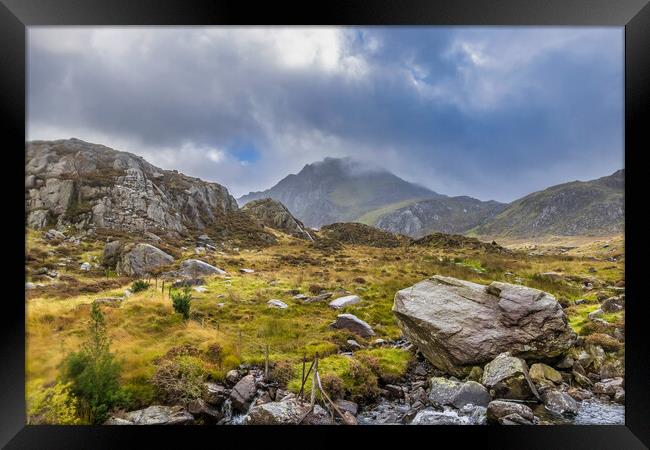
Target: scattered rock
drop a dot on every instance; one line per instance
(498, 409)
(246, 270)
(197, 268)
(203, 411)
(190, 282)
(232, 376)
(85, 266)
(53, 234)
(541, 372)
(354, 324)
(613, 304)
(318, 298)
(443, 390)
(354, 344)
(430, 416)
(287, 412)
(559, 402)
(113, 302)
(141, 259)
(472, 393)
(215, 394)
(595, 314)
(346, 405)
(342, 302)
(507, 377)
(274, 303)
(609, 387)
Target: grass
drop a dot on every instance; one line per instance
(145, 327)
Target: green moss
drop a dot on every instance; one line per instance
(391, 363)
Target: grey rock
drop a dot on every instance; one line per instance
(498, 409)
(273, 214)
(242, 393)
(141, 259)
(354, 344)
(430, 416)
(507, 377)
(609, 387)
(456, 323)
(274, 303)
(215, 394)
(197, 268)
(342, 302)
(613, 304)
(514, 419)
(346, 405)
(154, 415)
(53, 234)
(559, 402)
(472, 393)
(287, 412)
(85, 266)
(354, 324)
(318, 298)
(443, 391)
(203, 411)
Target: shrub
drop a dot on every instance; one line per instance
(606, 342)
(93, 373)
(215, 354)
(333, 386)
(139, 285)
(282, 371)
(55, 405)
(180, 379)
(181, 302)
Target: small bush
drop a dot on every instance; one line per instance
(608, 343)
(181, 302)
(139, 285)
(333, 386)
(53, 406)
(282, 371)
(179, 380)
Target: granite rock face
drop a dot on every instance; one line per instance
(457, 324)
(273, 214)
(72, 182)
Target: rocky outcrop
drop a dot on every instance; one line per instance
(342, 302)
(154, 415)
(243, 393)
(195, 268)
(141, 259)
(72, 182)
(273, 214)
(507, 377)
(457, 324)
(499, 409)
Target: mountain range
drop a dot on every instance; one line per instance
(76, 183)
(344, 190)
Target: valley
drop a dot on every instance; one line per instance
(120, 242)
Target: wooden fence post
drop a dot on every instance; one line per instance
(302, 377)
(313, 382)
(162, 291)
(266, 362)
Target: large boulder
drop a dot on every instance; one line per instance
(507, 377)
(457, 324)
(154, 415)
(431, 416)
(443, 390)
(195, 268)
(559, 402)
(287, 412)
(141, 259)
(111, 255)
(354, 324)
(471, 393)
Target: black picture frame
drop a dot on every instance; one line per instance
(16, 15)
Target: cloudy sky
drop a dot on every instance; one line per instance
(494, 113)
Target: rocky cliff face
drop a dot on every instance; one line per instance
(274, 214)
(445, 215)
(72, 182)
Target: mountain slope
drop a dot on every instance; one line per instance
(75, 183)
(339, 190)
(577, 208)
(454, 215)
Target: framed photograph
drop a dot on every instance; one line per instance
(353, 218)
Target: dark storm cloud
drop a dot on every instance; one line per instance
(487, 112)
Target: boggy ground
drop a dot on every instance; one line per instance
(231, 324)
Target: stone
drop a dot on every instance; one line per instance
(514, 419)
(232, 376)
(111, 254)
(246, 270)
(595, 314)
(190, 282)
(141, 259)
(619, 396)
(613, 304)
(475, 374)
(541, 372)
(612, 368)
(456, 323)
(203, 411)
(200, 289)
(300, 297)
(214, 394)
(242, 393)
(154, 415)
(507, 377)
(579, 394)
(430, 416)
(287, 412)
(443, 390)
(352, 323)
(559, 402)
(354, 344)
(609, 387)
(378, 342)
(342, 302)
(85, 266)
(472, 393)
(582, 379)
(565, 363)
(274, 303)
(346, 405)
(197, 268)
(498, 409)
(30, 285)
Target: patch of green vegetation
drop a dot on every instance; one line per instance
(371, 217)
(390, 363)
